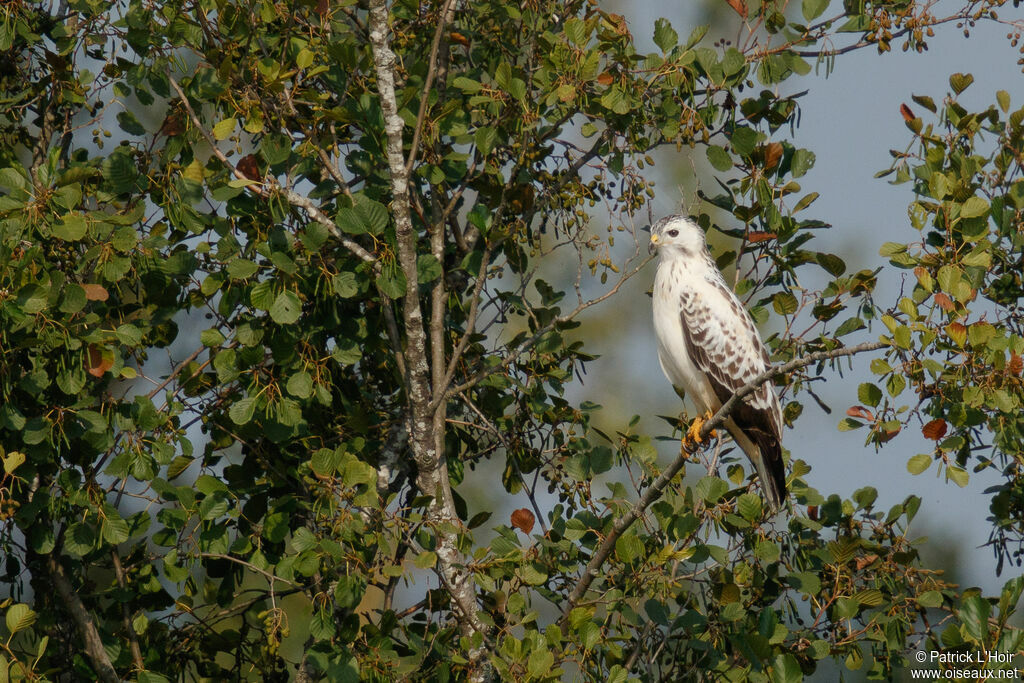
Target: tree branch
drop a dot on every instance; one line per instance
(536, 337)
(662, 481)
(442, 21)
(84, 622)
(432, 471)
(264, 190)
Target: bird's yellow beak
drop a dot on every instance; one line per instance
(654, 239)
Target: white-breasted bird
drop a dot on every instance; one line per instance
(709, 347)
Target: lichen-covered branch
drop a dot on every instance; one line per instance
(432, 471)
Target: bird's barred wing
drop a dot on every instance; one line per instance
(726, 347)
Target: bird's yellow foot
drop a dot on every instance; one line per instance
(692, 439)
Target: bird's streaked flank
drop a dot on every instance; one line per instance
(709, 347)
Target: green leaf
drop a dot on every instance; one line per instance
(958, 475)
(71, 228)
(321, 625)
(665, 37)
(344, 285)
(785, 669)
(428, 268)
(719, 158)
(240, 268)
(805, 582)
(784, 303)
(485, 138)
(973, 613)
(743, 140)
(812, 9)
(540, 663)
(211, 338)
(242, 410)
(19, 617)
(286, 308)
(224, 129)
(930, 599)
(391, 281)
(869, 394)
(919, 463)
(749, 506)
(960, 82)
(628, 547)
(711, 489)
(974, 207)
(803, 161)
(426, 560)
(300, 385)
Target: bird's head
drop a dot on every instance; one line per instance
(677, 235)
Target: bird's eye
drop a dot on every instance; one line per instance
(673, 233)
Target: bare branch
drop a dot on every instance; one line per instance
(662, 481)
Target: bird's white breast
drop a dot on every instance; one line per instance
(674, 277)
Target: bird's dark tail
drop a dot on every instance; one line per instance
(771, 469)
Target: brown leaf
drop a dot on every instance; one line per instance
(905, 112)
(1015, 365)
(862, 562)
(888, 435)
(944, 302)
(757, 236)
(457, 37)
(619, 22)
(172, 125)
(98, 360)
(96, 292)
(861, 412)
(812, 512)
(523, 520)
(605, 78)
(740, 7)
(249, 166)
(322, 6)
(934, 430)
(772, 154)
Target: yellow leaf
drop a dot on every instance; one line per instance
(223, 129)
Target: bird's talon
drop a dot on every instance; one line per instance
(693, 433)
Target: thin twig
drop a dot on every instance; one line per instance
(442, 21)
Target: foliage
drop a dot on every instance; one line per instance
(361, 237)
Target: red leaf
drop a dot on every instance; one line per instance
(95, 292)
(523, 520)
(740, 6)
(861, 412)
(944, 302)
(812, 512)
(934, 430)
(888, 435)
(98, 360)
(905, 112)
(757, 236)
(772, 154)
(249, 167)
